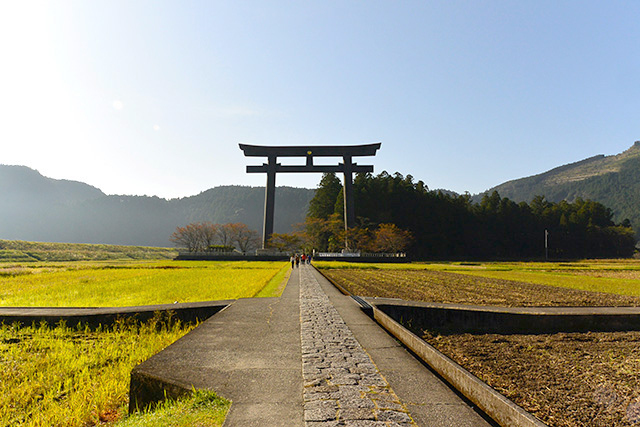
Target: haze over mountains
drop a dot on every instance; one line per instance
(37, 208)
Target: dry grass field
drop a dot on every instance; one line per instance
(69, 375)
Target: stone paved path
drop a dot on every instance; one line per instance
(342, 386)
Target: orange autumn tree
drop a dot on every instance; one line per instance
(287, 242)
(391, 238)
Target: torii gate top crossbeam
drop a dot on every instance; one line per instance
(315, 151)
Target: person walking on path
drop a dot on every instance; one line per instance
(297, 260)
(293, 261)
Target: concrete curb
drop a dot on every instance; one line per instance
(94, 316)
(146, 390)
(248, 353)
(454, 318)
(495, 405)
(149, 387)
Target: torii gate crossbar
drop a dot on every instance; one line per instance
(347, 167)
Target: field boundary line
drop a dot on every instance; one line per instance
(93, 316)
(333, 282)
(494, 404)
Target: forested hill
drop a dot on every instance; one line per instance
(445, 226)
(37, 208)
(613, 181)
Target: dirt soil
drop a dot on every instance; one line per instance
(446, 287)
(565, 379)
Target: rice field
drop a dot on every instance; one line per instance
(73, 376)
(69, 375)
(202, 409)
(22, 251)
(119, 284)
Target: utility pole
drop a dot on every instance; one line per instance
(546, 244)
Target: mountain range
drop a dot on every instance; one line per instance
(37, 208)
(613, 181)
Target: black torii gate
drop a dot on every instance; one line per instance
(347, 167)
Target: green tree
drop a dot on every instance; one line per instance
(287, 242)
(244, 238)
(445, 225)
(359, 239)
(324, 201)
(324, 234)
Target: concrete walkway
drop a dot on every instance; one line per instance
(248, 353)
(428, 400)
(341, 382)
(308, 358)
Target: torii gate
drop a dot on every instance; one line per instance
(347, 167)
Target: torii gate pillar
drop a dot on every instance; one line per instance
(349, 208)
(269, 202)
(347, 167)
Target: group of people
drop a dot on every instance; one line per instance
(297, 259)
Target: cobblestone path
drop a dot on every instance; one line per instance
(342, 386)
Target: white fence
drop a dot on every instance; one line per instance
(359, 254)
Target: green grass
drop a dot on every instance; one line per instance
(21, 251)
(610, 276)
(121, 283)
(203, 408)
(73, 376)
(276, 285)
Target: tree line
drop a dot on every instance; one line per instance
(438, 224)
(209, 237)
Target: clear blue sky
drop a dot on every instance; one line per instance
(153, 97)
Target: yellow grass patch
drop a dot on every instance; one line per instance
(120, 284)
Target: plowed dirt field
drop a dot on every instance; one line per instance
(447, 287)
(576, 379)
(566, 379)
